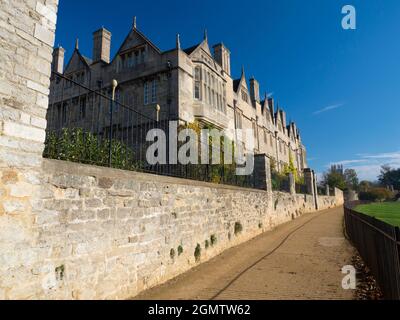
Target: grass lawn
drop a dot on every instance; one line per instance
(387, 211)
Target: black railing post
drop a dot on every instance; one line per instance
(114, 87)
(110, 134)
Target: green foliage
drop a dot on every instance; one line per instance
(213, 240)
(260, 225)
(75, 145)
(334, 180)
(180, 250)
(376, 194)
(60, 272)
(300, 180)
(388, 212)
(207, 244)
(390, 177)
(217, 173)
(351, 179)
(342, 180)
(364, 186)
(238, 228)
(197, 253)
(290, 168)
(279, 180)
(172, 254)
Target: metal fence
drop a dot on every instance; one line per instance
(379, 245)
(301, 188)
(321, 191)
(280, 182)
(102, 127)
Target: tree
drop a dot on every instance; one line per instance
(334, 179)
(351, 178)
(364, 186)
(390, 177)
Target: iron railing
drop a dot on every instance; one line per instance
(89, 126)
(379, 245)
(280, 182)
(301, 188)
(321, 191)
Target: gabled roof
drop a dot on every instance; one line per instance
(86, 61)
(271, 106)
(204, 45)
(240, 82)
(236, 84)
(190, 50)
(264, 104)
(135, 31)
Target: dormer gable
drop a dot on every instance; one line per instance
(77, 62)
(136, 39)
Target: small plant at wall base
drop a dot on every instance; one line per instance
(207, 244)
(276, 204)
(197, 253)
(213, 240)
(60, 272)
(172, 254)
(180, 250)
(238, 228)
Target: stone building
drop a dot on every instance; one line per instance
(193, 84)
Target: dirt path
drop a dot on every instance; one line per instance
(299, 260)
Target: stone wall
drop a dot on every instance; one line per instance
(26, 43)
(109, 234)
(70, 231)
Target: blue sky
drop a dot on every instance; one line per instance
(342, 87)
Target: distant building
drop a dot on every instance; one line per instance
(337, 169)
(192, 84)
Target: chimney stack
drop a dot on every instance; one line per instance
(223, 57)
(101, 46)
(254, 90)
(58, 60)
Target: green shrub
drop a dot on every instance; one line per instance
(238, 228)
(197, 253)
(76, 145)
(213, 240)
(376, 194)
(60, 272)
(180, 250)
(279, 181)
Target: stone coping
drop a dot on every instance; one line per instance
(59, 167)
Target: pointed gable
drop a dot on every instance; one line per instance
(136, 39)
(77, 62)
(201, 46)
(190, 50)
(240, 83)
(271, 107)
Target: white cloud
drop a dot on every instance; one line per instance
(368, 166)
(347, 162)
(328, 108)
